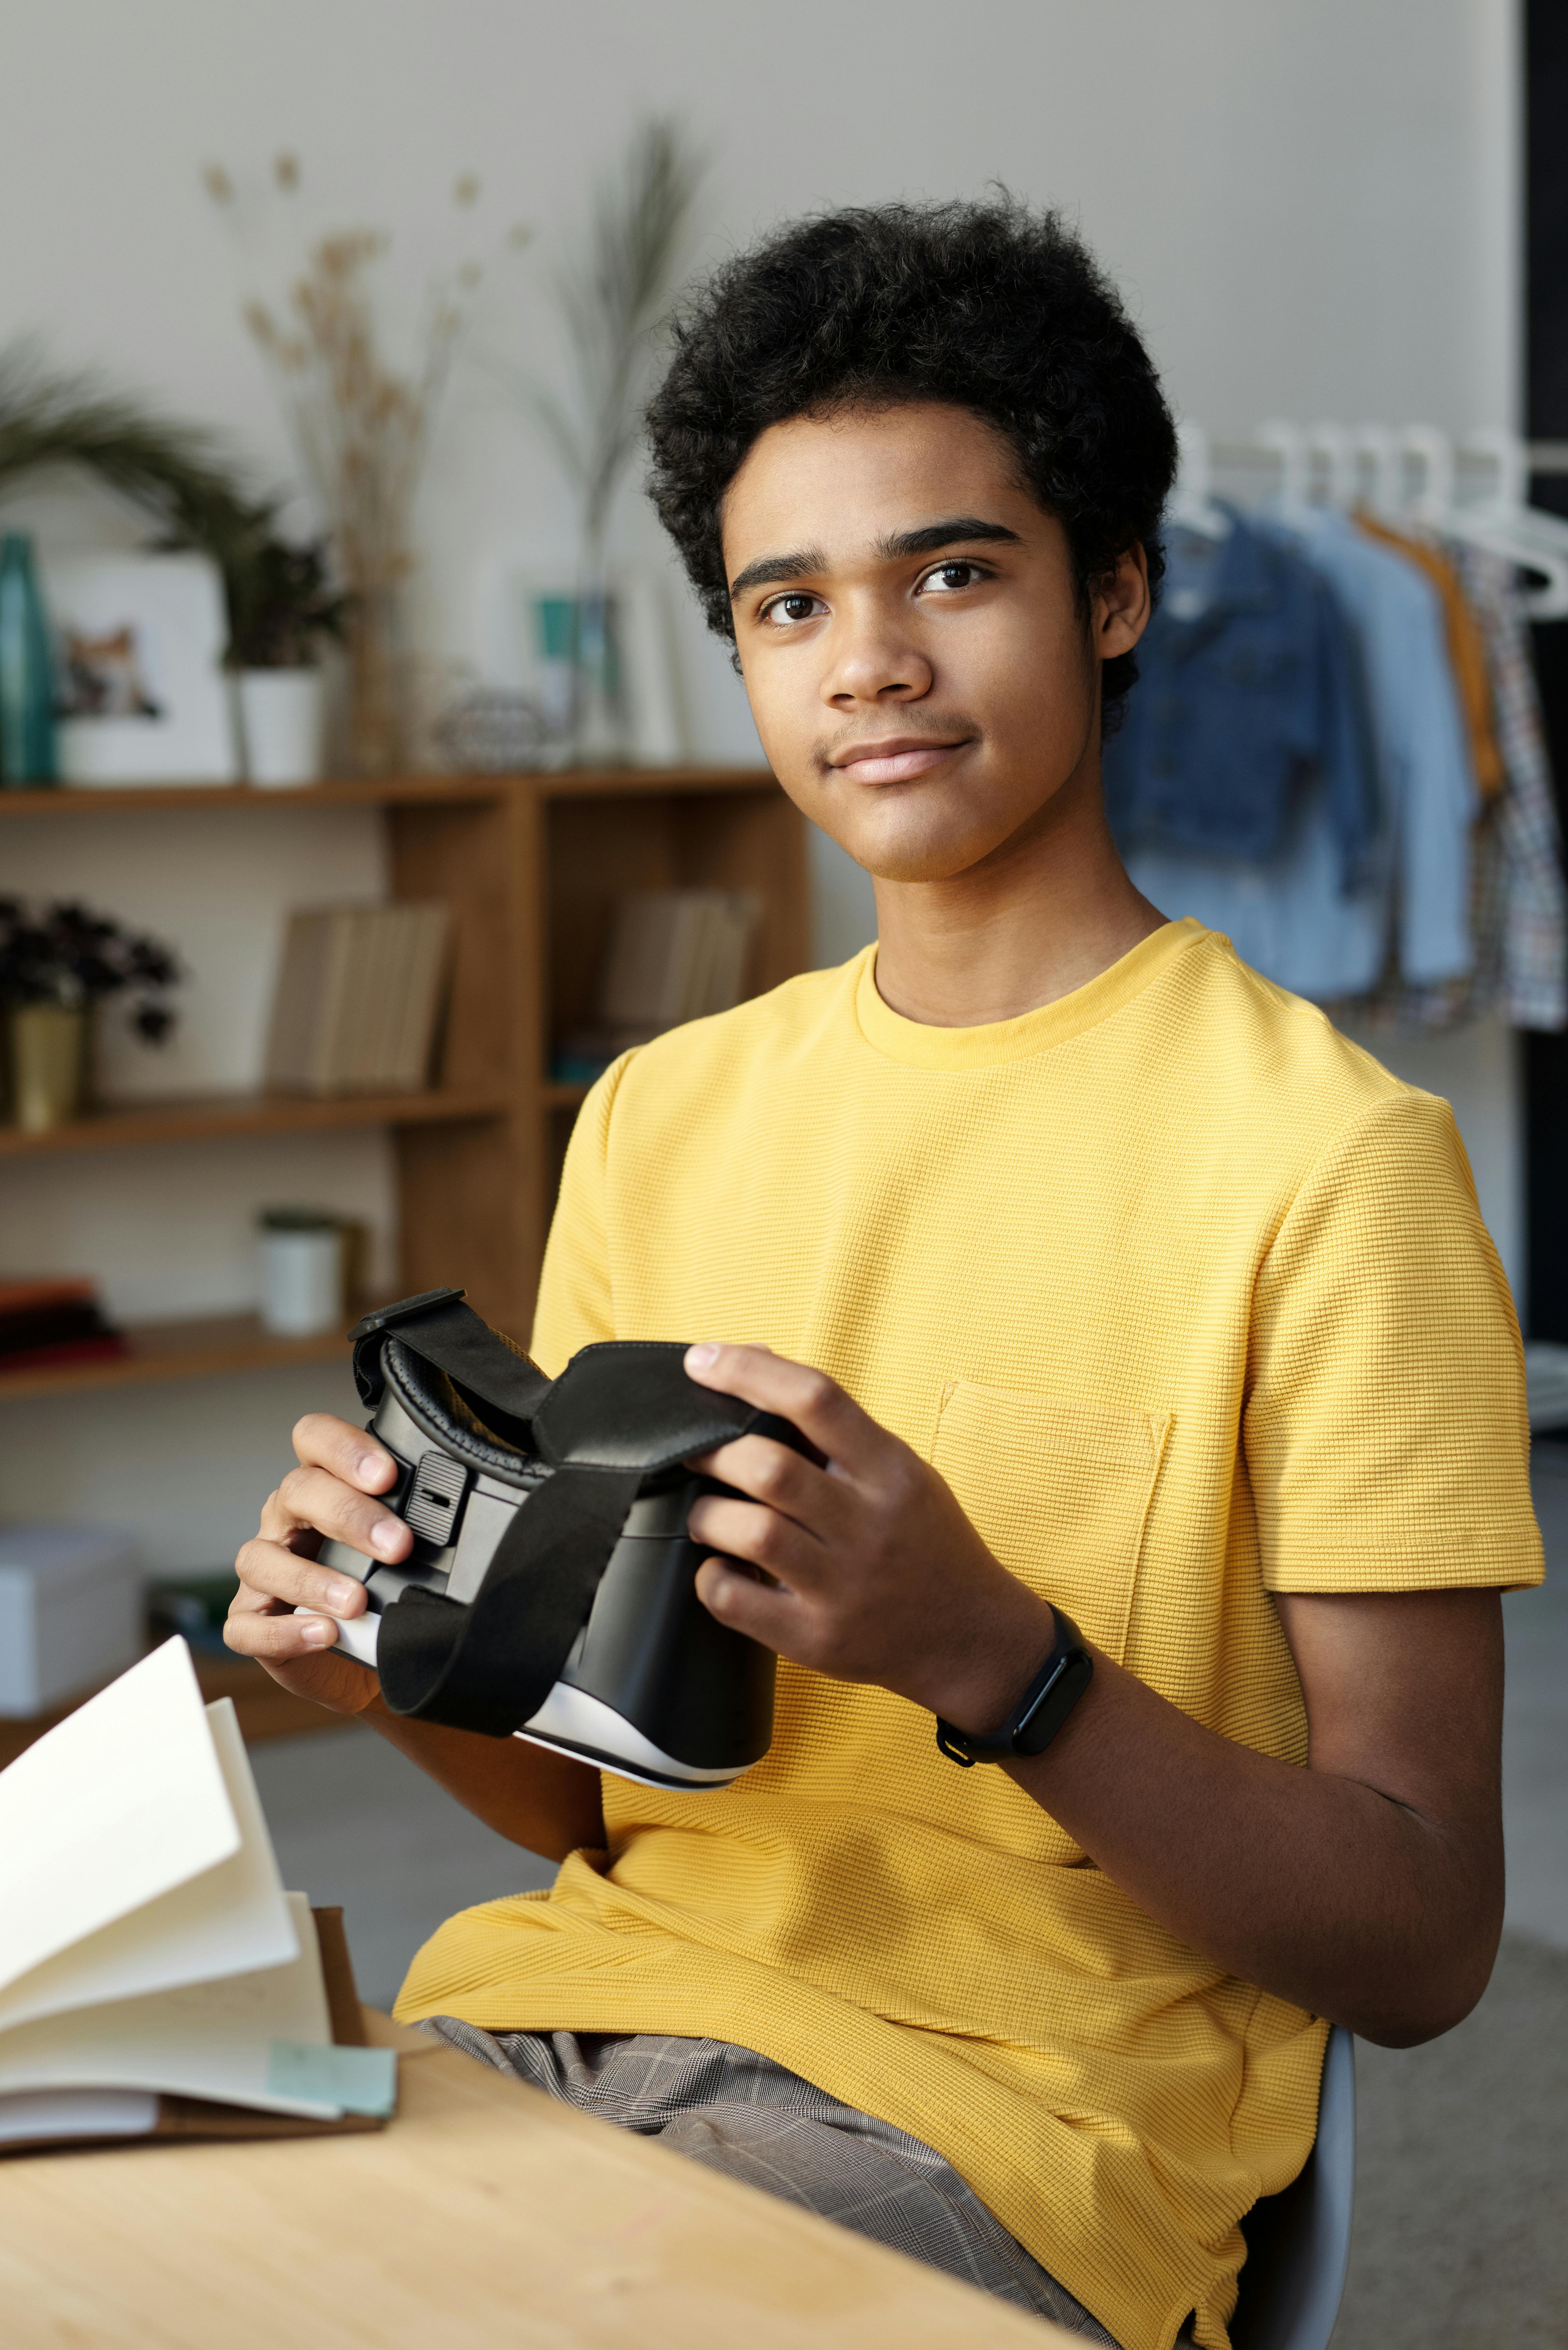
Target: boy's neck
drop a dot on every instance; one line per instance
(1043, 914)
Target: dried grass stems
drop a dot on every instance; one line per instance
(363, 430)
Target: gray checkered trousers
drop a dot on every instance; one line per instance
(743, 2115)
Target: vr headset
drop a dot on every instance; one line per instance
(550, 1591)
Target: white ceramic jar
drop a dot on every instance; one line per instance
(302, 1273)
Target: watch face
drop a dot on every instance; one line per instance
(1055, 1703)
(1065, 1676)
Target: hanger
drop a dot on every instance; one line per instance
(1288, 442)
(1540, 538)
(1432, 453)
(1508, 454)
(1374, 447)
(1503, 525)
(1333, 446)
(1192, 504)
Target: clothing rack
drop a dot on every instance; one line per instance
(1355, 607)
(1478, 488)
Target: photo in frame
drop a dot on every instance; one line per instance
(141, 694)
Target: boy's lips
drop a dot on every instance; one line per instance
(895, 759)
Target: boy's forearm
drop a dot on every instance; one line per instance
(1309, 1882)
(540, 1800)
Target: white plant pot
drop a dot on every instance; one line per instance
(281, 725)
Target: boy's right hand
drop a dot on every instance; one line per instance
(331, 1492)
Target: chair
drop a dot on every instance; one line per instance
(1298, 2242)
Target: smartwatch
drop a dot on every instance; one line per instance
(1040, 1711)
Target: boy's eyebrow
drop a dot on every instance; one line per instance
(933, 535)
(773, 570)
(769, 568)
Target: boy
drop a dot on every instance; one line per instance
(1131, 1309)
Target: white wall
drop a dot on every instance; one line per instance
(1311, 206)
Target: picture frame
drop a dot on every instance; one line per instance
(523, 615)
(141, 690)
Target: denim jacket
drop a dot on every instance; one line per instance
(1248, 689)
(1290, 917)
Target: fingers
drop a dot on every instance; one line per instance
(745, 1530)
(816, 1404)
(770, 1472)
(744, 1605)
(271, 1577)
(318, 1498)
(321, 1442)
(270, 1630)
(297, 1651)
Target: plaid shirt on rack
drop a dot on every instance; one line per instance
(1532, 953)
(1520, 905)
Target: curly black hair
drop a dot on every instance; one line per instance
(991, 307)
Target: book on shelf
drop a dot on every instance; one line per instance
(357, 999)
(45, 1322)
(673, 955)
(156, 1980)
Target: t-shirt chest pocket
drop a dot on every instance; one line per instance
(1058, 1491)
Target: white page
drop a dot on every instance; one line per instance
(114, 1806)
(208, 2040)
(77, 2113)
(230, 1920)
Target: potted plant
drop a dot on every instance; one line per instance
(55, 967)
(281, 607)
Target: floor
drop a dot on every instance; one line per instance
(1535, 1724)
(1459, 2240)
(355, 1823)
(1462, 2146)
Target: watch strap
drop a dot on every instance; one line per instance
(1040, 1711)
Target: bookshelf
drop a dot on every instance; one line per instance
(200, 1118)
(531, 866)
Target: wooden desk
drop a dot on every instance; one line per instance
(484, 2217)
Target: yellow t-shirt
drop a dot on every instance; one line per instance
(1189, 1301)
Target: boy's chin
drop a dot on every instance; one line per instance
(927, 836)
(911, 853)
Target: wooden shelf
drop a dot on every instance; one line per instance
(264, 1709)
(530, 867)
(407, 791)
(203, 1117)
(205, 1348)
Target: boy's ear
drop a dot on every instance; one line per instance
(1121, 605)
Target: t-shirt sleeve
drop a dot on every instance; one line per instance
(575, 1305)
(1384, 1429)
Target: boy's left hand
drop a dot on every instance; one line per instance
(873, 1572)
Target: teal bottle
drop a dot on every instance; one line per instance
(26, 671)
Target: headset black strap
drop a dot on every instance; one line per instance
(438, 1326)
(490, 1667)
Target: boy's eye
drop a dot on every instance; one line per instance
(949, 577)
(786, 609)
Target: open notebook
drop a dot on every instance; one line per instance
(155, 1978)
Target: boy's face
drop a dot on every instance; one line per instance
(921, 674)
